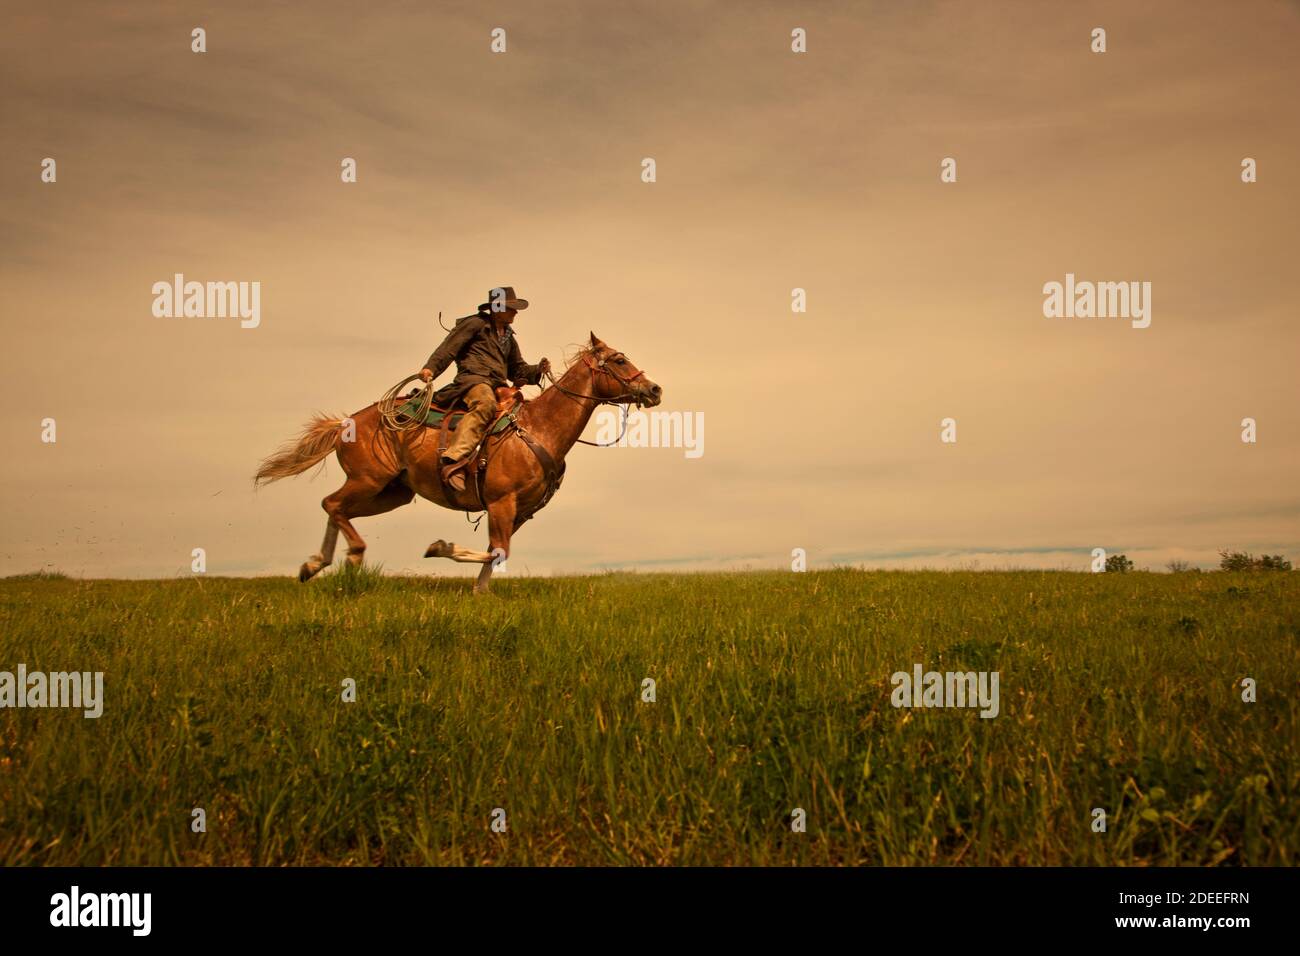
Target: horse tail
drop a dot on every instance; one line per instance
(319, 439)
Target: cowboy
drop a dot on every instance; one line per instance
(484, 349)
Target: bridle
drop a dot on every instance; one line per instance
(600, 367)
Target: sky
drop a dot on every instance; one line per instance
(774, 171)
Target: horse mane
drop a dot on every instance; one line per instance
(571, 360)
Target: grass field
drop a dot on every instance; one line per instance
(1119, 691)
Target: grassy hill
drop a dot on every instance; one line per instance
(772, 692)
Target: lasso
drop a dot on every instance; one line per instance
(399, 421)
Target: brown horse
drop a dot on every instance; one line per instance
(386, 468)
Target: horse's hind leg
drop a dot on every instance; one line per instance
(358, 498)
(313, 565)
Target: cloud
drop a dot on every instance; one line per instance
(776, 171)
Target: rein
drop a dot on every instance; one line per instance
(625, 399)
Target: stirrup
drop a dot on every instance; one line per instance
(452, 476)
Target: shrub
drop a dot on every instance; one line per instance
(1119, 563)
(1244, 561)
(44, 574)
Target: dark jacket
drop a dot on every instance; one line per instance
(480, 358)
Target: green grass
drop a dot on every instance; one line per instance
(773, 692)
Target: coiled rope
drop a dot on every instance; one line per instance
(388, 405)
(397, 420)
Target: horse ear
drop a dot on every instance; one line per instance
(595, 342)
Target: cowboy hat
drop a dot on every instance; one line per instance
(502, 298)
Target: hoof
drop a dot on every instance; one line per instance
(356, 559)
(309, 570)
(439, 549)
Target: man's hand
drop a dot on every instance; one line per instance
(426, 374)
(544, 367)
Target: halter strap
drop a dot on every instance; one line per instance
(600, 367)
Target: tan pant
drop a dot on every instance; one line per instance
(482, 402)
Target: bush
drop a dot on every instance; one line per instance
(1119, 563)
(1180, 567)
(1244, 561)
(42, 575)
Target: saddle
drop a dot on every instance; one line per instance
(446, 418)
(508, 397)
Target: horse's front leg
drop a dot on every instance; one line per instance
(501, 524)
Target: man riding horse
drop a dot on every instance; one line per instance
(486, 354)
(386, 466)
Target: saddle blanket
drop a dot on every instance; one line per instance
(436, 415)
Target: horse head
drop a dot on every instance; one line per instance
(615, 379)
